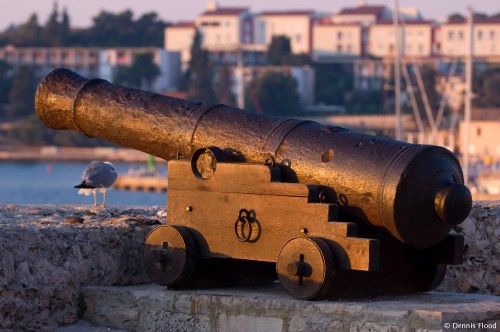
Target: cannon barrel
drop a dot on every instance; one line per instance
(415, 192)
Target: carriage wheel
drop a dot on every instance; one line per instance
(429, 277)
(305, 267)
(169, 255)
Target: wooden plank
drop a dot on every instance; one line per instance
(245, 178)
(212, 215)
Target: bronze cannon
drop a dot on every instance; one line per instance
(335, 212)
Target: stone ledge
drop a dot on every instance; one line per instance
(50, 252)
(153, 308)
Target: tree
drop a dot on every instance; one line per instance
(223, 86)
(5, 84)
(456, 17)
(364, 102)
(276, 93)
(149, 30)
(279, 53)
(492, 90)
(333, 83)
(113, 29)
(199, 80)
(22, 93)
(485, 91)
(141, 74)
(279, 50)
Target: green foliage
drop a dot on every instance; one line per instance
(364, 102)
(29, 131)
(279, 50)
(199, 80)
(5, 84)
(140, 74)
(22, 93)
(333, 83)
(276, 93)
(108, 29)
(223, 86)
(56, 30)
(279, 53)
(486, 87)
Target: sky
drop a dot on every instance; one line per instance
(82, 12)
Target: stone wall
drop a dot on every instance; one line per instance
(48, 253)
(480, 272)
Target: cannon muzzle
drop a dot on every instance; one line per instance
(414, 192)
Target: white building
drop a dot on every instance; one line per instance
(415, 39)
(336, 41)
(224, 27)
(296, 25)
(452, 38)
(179, 38)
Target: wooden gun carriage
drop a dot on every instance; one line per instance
(331, 212)
(244, 211)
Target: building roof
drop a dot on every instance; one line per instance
(363, 10)
(183, 24)
(287, 13)
(231, 11)
(477, 20)
(330, 22)
(419, 22)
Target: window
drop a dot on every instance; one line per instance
(492, 34)
(450, 35)
(461, 35)
(210, 24)
(479, 34)
(339, 35)
(339, 48)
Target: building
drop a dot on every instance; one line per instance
(93, 62)
(415, 39)
(452, 38)
(337, 41)
(84, 60)
(364, 15)
(179, 38)
(483, 138)
(224, 27)
(296, 25)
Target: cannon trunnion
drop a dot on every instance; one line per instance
(243, 212)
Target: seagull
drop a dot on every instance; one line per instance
(97, 175)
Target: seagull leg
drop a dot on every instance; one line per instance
(95, 197)
(104, 198)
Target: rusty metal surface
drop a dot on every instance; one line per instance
(415, 192)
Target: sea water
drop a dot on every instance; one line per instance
(53, 183)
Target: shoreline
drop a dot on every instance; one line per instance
(57, 153)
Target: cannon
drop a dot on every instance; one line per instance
(327, 211)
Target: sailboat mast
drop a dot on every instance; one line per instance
(468, 94)
(397, 70)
